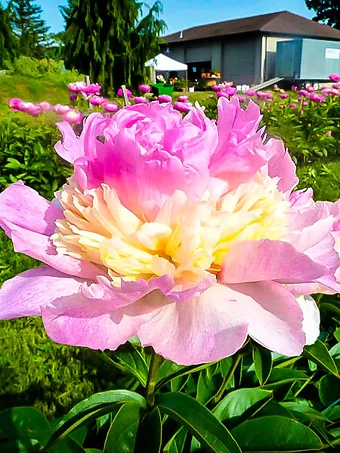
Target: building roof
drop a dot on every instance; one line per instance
(282, 23)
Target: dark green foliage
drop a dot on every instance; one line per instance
(29, 28)
(327, 11)
(7, 38)
(109, 41)
(26, 153)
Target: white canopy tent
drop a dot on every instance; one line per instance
(163, 63)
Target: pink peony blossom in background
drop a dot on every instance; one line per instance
(77, 87)
(310, 89)
(72, 117)
(284, 95)
(164, 98)
(305, 103)
(303, 93)
(329, 133)
(334, 77)
(61, 109)
(250, 92)
(15, 104)
(183, 231)
(111, 107)
(128, 93)
(93, 88)
(293, 105)
(97, 100)
(45, 106)
(140, 100)
(182, 99)
(316, 97)
(242, 98)
(294, 87)
(73, 96)
(144, 88)
(217, 87)
(184, 107)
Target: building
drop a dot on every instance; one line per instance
(242, 50)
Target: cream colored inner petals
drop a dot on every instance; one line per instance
(186, 240)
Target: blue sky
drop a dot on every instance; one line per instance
(188, 13)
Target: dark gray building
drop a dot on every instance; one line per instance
(242, 50)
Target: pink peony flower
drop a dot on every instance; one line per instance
(182, 231)
(97, 100)
(73, 96)
(242, 98)
(284, 95)
(61, 109)
(45, 106)
(184, 107)
(334, 77)
(128, 93)
(310, 89)
(329, 133)
(336, 86)
(316, 97)
(217, 87)
(144, 88)
(93, 88)
(303, 93)
(293, 106)
(222, 94)
(305, 103)
(15, 104)
(294, 87)
(140, 100)
(111, 107)
(164, 98)
(231, 91)
(77, 87)
(182, 99)
(301, 112)
(250, 92)
(73, 117)
(30, 108)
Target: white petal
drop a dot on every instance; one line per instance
(311, 318)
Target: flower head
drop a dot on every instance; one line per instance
(144, 88)
(316, 97)
(180, 230)
(334, 77)
(184, 107)
(128, 93)
(182, 99)
(45, 106)
(284, 95)
(164, 98)
(250, 92)
(140, 100)
(73, 116)
(111, 107)
(97, 100)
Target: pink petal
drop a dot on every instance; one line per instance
(29, 220)
(252, 261)
(25, 294)
(96, 324)
(273, 314)
(280, 164)
(202, 329)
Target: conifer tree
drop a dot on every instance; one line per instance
(7, 38)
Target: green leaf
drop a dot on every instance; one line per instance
(121, 437)
(273, 408)
(185, 370)
(93, 407)
(93, 450)
(206, 387)
(329, 390)
(239, 401)
(263, 363)
(337, 334)
(23, 424)
(176, 443)
(199, 421)
(151, 423)
(302, 411)
(332, 413)
(275, 434)
(319, 354)
(133, 362)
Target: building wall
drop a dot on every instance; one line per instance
(325, 53)
(269, 57)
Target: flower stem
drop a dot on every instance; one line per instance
(216, 398)
(156, 360)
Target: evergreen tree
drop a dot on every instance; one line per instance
(110, 40)
(7, 38)
(29, 27)
(327, 11)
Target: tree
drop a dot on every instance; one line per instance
(108, 39)
(7, 38)
(28, 26)
(327, 11)
(67, 10)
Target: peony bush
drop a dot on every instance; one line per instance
(184, 237)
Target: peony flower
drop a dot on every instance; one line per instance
(45, 106)
(61, 109)
(242, 98)
(184, 107)
(140, 100)
(30, 108)
(72, 116)
(329, 133)
(164, 98)
(284, 95)
(73, 96)
(334, 77)
(217, 87)
(303, 93)
(316, 97)
(144, 88)
(97, 100)
(128, 93)
(111, 107)
(310, 89)
(294, 87)
(93, 88)
(305, 103)
(182, 99)
(182, 231)
(15, 104)
(250, 92)
(293, 106)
